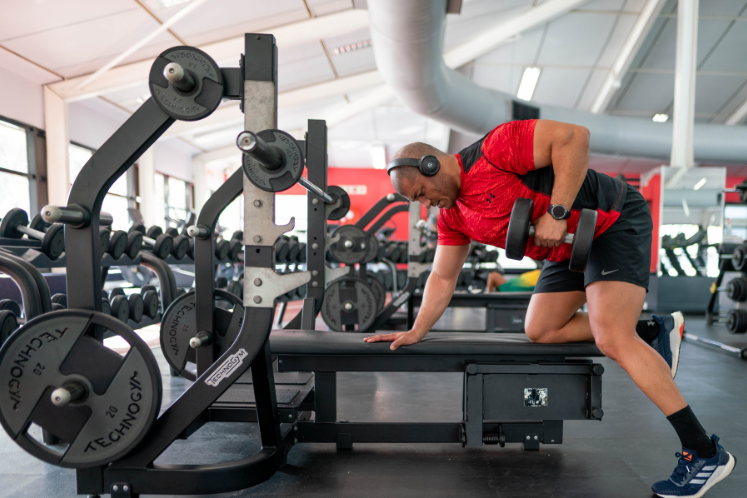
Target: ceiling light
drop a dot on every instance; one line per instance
(378, 156)
(351, 47)
(661, 118)
(700, 184)
(528, 83)
(685, 207)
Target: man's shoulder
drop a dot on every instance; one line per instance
(471, 154)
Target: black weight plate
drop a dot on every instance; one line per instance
(358, 296)
(150, 303)
(38, 223)
(198, 103)
(338, 193)
(104, 236)
(235, 246)
(179, 325)
(221, 249)
(221, 282)
(53, 244)
(134, 244)
(736, 321)
(234, 287)
(180, 246)
(582, 239)
(120, 308)
(378, 288)
(11, 220)
(153, 232)
(282, 247)
(136, 305)
(356, 240)
(373, 249)
(302, 252)
(123, 392)
(10, 305)
(517, 234)
(736, 289)
(238, 235)
(284, 177)
(739, 257)
(8, 324)
(163, 246)
(117, 291)
(106, 308)
(172, 231)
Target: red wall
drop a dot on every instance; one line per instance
(652, 193)
(731, 182)
(376, 185)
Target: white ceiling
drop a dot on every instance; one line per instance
(50, 40)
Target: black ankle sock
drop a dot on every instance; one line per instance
(691, 433)
(647, 330)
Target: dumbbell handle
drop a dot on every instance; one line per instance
(31, 232)
(72, 391)
(149, 241)
(568, 239)
(251, 144)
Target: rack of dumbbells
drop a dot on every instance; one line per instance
(728, 301)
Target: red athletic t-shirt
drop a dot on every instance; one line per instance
(497, 170)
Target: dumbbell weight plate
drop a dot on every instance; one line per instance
(8, 325)
(117, 291)
(104, 236)
(282, 246)
(736, 321)
(234, 287)
(106, 307)
(136, 305)
(163, 246)
(221, 249)
(293, 250)
(179, 325)
(173, 232)
(221, 282)
(57, 307)
(11, 220)
(739, 257)
(134, 244)
(301, 252)
(180, 246)
(120, 308)
(235, 246)
(60, 299)
(38, 223)
(111, 382)
(10, 305)
(355, 293)
(284, 177)
(373, 249)
(196, 104)
(403, 250)
(379, 291)
(582, 240)
(358, 249)
(238, 235)
(338, 193)
(736, 289)
(150, 303)
(517, 234)
(53, 244)
(146, 288)
(117, 244)
(153, 232)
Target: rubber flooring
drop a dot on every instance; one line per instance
(620, 456)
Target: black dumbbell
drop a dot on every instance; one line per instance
(136, 304)
(392, 252)
(150, 301)
(117, 291)
(736, 289)
(8, 324)
(739, 257)
(736, 321)
(181, 243)
(222, 247)
(520, 229)
(15, 225)
(161, 245)
(106, 307)
(10, 305)
(292, 249)
(234, 287)
(282, 247)
(120, 307)
(60, 299)
(221, 282)
(403, 250)
(301, 253)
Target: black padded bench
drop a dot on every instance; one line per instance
(504, 311)
(514, 390)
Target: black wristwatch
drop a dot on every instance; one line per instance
(559, 212)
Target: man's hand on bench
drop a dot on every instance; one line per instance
(396, 338)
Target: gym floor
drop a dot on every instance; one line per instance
(620, 456)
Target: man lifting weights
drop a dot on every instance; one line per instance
(548, 161)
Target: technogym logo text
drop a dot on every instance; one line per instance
(227, 368)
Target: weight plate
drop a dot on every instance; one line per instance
(60, 299)
(10, 305)
(221, 249)
(349, 301)
(379, 291)
(582, 239)
(373, 249)
(8, 324)
(120, 308)
(193, 105)
(352, 247)
(150, 303)
(163, 246)
(154, 231)
(136, 306)
(11, 220)
(179, 325)
(173, 232)
(736, 289)
(517, 234)
(38, 223)
(284, 177)
(122, 391)
(736, 321)
(104, 236)
(738, 257)
(53, 244)
(180, 246)
(338, 193)
(134, 244)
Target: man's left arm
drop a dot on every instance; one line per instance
(566, 147)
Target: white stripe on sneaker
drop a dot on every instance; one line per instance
(718, 475)
(703, 474)
(698, 481)
(710, 468)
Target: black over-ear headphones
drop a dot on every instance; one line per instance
(428, 164)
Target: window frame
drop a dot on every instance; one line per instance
(36, 162)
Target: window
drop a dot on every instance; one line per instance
(176, 205)
(15, 180)
(116, 201)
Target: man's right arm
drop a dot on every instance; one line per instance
(439, 288)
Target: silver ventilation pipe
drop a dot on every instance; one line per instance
(408, 40)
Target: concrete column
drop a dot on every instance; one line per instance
(199, 178)
(56, 125)
(684, 84)
(146, 181)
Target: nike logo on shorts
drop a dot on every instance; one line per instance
(608, 272)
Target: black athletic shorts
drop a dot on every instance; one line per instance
(622, 253)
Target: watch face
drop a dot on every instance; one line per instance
(558, 211)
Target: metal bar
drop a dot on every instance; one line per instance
(315, 190)
(380, 432)
(377, 208)
(473, 409)
(263, 380)
(325, 396)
